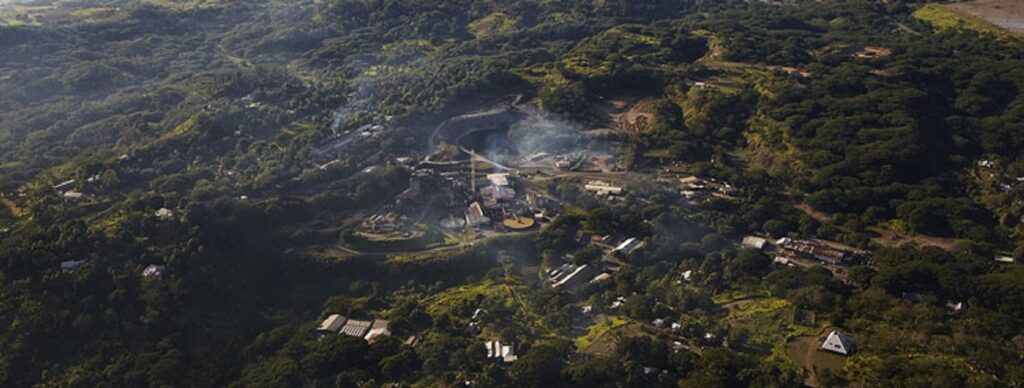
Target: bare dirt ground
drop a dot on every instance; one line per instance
(815, 214)
(615, 106)
(892, 239)
(628, 112)
(804, 350)
(872, 52)
(601, 163)
(886, 237)
(1007, 14)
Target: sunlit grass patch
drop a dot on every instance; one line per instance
(494, 24)
(596, 330)
(944, 17)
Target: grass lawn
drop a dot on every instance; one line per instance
(453, 300)
(944, 17)
(601, 338)
(739, 294)
(595, 331)
(497, 23)
(459, 303)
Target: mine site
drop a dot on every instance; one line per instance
(515, 193)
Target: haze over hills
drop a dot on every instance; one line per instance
(511, 193)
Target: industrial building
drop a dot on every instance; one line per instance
(604, 189)
(475, 215)
(629, 246)
(575, 278)
(337, 324)
(815, 250)
(696, 189)
(754, 242)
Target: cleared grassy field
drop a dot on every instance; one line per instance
(804, 351)
(1007, 14)
(1003, 19)
(497, 23)
(457, 301)
(769, 322)
(597, 330)
(602, 338)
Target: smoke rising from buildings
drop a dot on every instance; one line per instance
(536, 133)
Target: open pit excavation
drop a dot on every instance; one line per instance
(486, 136)
(454, 130)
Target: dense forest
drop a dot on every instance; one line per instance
(211, 110)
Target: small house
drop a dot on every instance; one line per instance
(505, 353)
(603, 188)
(412, 341)
(73, 195)
(754, 242)
(838, 343)
(601, 277)
(153, 270)
(332, 325)
(629, 246)
(64, 185)
(71, 265)
(577, 277)
(164, 213)
(954, 307)
(473, 328)
(1005, 259)
(618, 302)
(379, 328)
(679, 346)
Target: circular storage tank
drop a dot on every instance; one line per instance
(519, 223)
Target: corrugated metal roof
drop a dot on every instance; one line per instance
(333, 323)
(356, 328)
